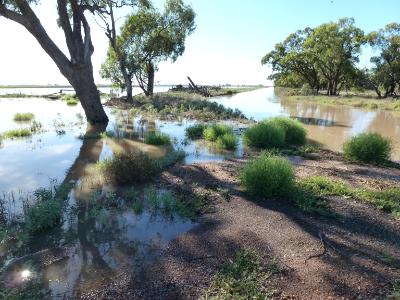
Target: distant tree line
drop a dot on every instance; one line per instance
(326, 57)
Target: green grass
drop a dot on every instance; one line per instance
(395, 293)
(17, 133)
(265, 136)
(23, 117)
(128, 167)
(72, 102)
(319, 186)
(295, 133)
(243, 278)
(158, 139)
(368, 147)
(195, 132)
(211, 133)
(268, 176)
(228, 141)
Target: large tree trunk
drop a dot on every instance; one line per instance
(150, 82)
(78, 70)
(83, 82)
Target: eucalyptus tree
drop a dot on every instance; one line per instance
(385, 75)
(77, 69)
(148, 37)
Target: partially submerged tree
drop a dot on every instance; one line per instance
(77, 69)
(147, 38)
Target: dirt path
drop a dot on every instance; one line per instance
(355, 255)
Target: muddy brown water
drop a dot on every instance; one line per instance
(120, 239)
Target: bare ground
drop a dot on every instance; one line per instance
(354, 255)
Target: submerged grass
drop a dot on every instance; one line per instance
(195, 132)
(17, 133)
(243, 278)
(156, 138)
(23, 117)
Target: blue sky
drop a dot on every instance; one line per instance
(227, 46)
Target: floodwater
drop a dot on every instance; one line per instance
(328, 125)
(118, 239)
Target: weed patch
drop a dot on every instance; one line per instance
(24, 117)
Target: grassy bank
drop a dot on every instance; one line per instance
(172, 105)
(365, 100)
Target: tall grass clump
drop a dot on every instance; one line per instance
(367, 147)
(228, 141)
(72, 102)
(268, 176)
(211, 133)
(46, 210)
(17, 133)
(195, 131)
(128, 167)
(295, 133)
(23, 117)
(155, 138)
(265, 136)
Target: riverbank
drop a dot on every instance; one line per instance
(365, 100)
(176, 105)
(353, 253)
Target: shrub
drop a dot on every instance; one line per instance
(72, 102)
(23, 117)
(227, 141)
(367, 147)
(155, 138)
(128, 167)
(17, 133)
(295, 133)
(265, 136)
(195, 131)
(45, 213)
(268, 176)
(211, 133)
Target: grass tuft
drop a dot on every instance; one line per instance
(72, 102)
(295, 133)
(195, 132)
(268, 176)
(23, 117)
(155, 138)
(265, 136)
(368, 147)
(243, 278)
(17, 133)
(228, 141)
(211, 133)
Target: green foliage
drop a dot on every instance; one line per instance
(265, 135)
(72, 102)
(268, 176)
(195, 131)
(227, 141)
(17, 133)
(211, 133)
(295, 133)
(46, 211)
(155, 138)
(23, 117)
(128, 167)
(243, 278)
(323, 186)
(323, 56)
(367, 147)
(148, 37)
(395, 293)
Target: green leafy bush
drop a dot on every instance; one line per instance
(211, 133)
(295, 133)
(195, 131)
(128, 167)
(23, 117)
(268, 176)
(228, 141)
(155, 138)
(367, 147)
(265, 136)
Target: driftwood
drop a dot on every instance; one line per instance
(201, 90)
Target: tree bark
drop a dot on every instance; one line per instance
(150, 81)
